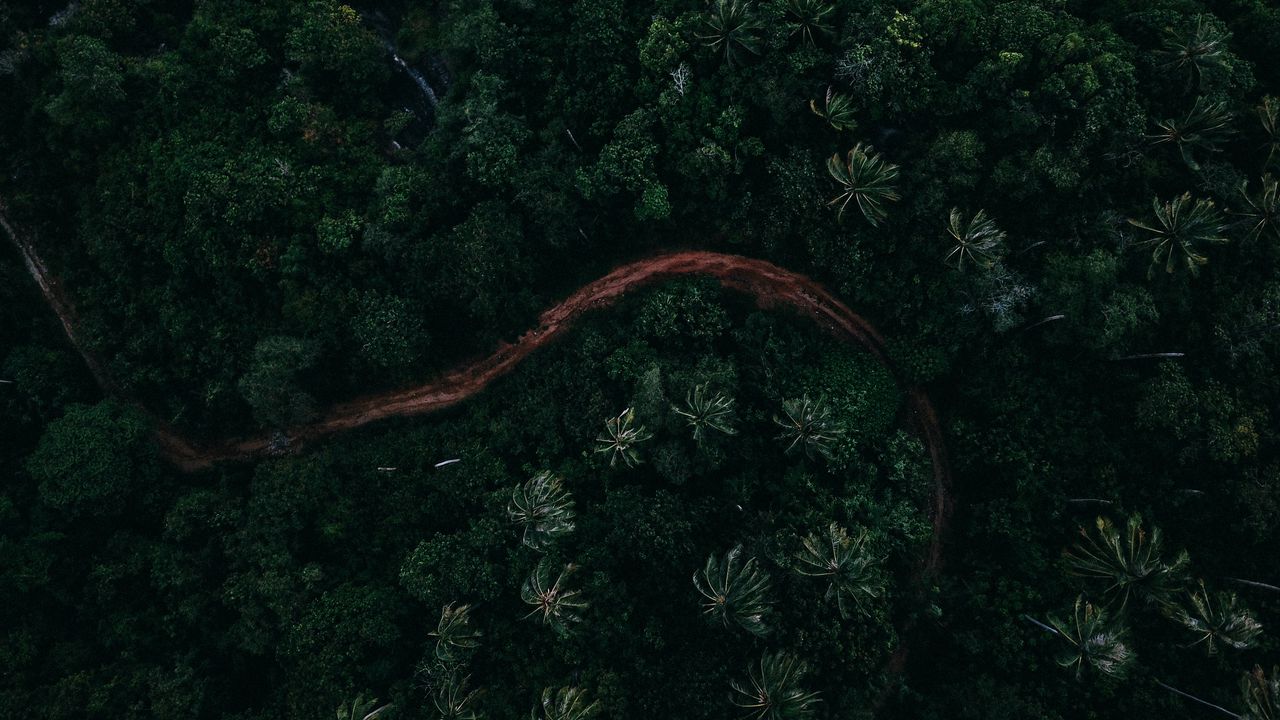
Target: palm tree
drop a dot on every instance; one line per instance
(558, 605)
(1263, 214)
(866, 178)
(704, 411)
(1182, 226)
(566, 703)
(732, 28)
(1217, 619)
(1093, 641)
(620, 438)
(1132, 562)
(808, 18)
(771, 691)
(979, 240)
(360, 709)
(837, 110)
(1203, 49)
(1204, 127)
(808, 426)
(452, 699)
(1261, 694)
(455, 638)
(1269, 116)
(853, 570)
(543, 508)
(734, 591)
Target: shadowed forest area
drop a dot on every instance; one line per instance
(1062, 216)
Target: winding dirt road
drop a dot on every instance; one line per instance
(769, 284)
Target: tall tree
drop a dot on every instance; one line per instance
(772, 690)
(1131, 562)
(734, 591)
(852, 570)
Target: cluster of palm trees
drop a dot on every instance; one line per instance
(733, 28)
(735, 592)
(1130, 572)
(806, 425)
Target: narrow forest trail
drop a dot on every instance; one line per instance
(768, 284)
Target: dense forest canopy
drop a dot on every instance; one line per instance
(1061, 213)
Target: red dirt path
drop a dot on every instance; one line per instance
(769, 284)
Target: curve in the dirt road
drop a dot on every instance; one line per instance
(769, 284)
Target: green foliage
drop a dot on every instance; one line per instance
(1217, 619)
(360, 709)
(809, 19)
(620, 439)
(542, 508)
(853, 572)
(866, 178)
(772, 690)
(837, 109)
(566, 703)
(808, 425)
(1262, 216)
(389, 333)
(93, 459)
(1261, 694)
(553, 602)
(1094, 642)
(979, 240)
(732, 29)
(271, 386)
(704, 411)
(1181, 229)
(455, 638)
(734, 592)
(1130, 562)
(1196, 51)
(1202, 130)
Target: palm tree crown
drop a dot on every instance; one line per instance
(978, 241)
(705, 411)
(455, 638)
(837, 110)
(1261, 694)
(853, 570)
(1217, 619)
(734, 591)
(771, 691)
(620, 438)
(808, 19)
(1182, 227)
(557, 604)
(1263, 213)
(543, 508)
(1131, 561)
(866, 178)
(732, 28)
(1203, 48)
(809, 426)
(1093, 641)
(566, 703)
(1205, 126)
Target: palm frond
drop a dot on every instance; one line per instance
(704, 411)
(1204, 128)
(455, 638)
(734, 591)
(556, 604)
(837, 109)
(1181, 229)
(979, 240)
(620, 438)
(1263, 214)
(809, 19)
(808, 425)
(566, 703)
(1093, 641)
(1194, 52)
(1217, 619)
(852, 569)
(1130, 562)
(772, 690)
(864, 178)
(1261, 694)
(543, 508)
(732, 29)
